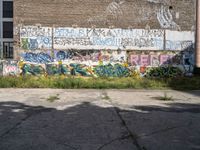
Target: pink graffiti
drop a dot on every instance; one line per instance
(134, 60)
(165, 59)
(10, 69)
(144, 60)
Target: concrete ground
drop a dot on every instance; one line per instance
(52, 119)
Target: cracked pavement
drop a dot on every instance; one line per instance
(99, 120)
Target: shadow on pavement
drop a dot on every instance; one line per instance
(90, 127)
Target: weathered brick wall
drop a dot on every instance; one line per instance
(173, 14)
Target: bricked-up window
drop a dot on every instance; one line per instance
(8, 50)
(7, 9)
(7, 29)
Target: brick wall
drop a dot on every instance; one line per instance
(173, 14)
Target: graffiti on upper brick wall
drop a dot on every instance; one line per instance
(165, 18)
(34, 37)
(112, 12)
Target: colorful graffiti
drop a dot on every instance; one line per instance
(109, 70)
(106, 63)
(53, 69)
(37, 57)
(10, 68)
(33, 69)
(102, 52)
(102, 38)
(71, 69)
(92, 56)
(34, 37)
(159, 59)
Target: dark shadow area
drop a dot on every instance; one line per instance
(172, 108)
(90, 127)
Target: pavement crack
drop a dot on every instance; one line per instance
(56, 141)
(67, 145)
(19, 123)
(132, 135)
(162, 131)
(15, 126)
(113, 140)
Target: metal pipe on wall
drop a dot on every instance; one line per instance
(198, 36)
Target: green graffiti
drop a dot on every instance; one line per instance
(24, 43)
(79, 69)
(57, 69)
(109, 70)
(30, 69)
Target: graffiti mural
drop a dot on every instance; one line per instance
(162, 62)
(160, 59)
(107, 52)
(104, 38)
(77, 56)
(73, 62)
(37, 57)
(10, 68)
(180, 41)
(54, 69)
(109, 70)
(33, 69)
(165, 18)
(33, 37)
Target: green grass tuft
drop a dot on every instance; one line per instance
(53, 98)
(166, 97)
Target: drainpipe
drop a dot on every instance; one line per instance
(197, 69)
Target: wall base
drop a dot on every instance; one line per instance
(197, 70)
